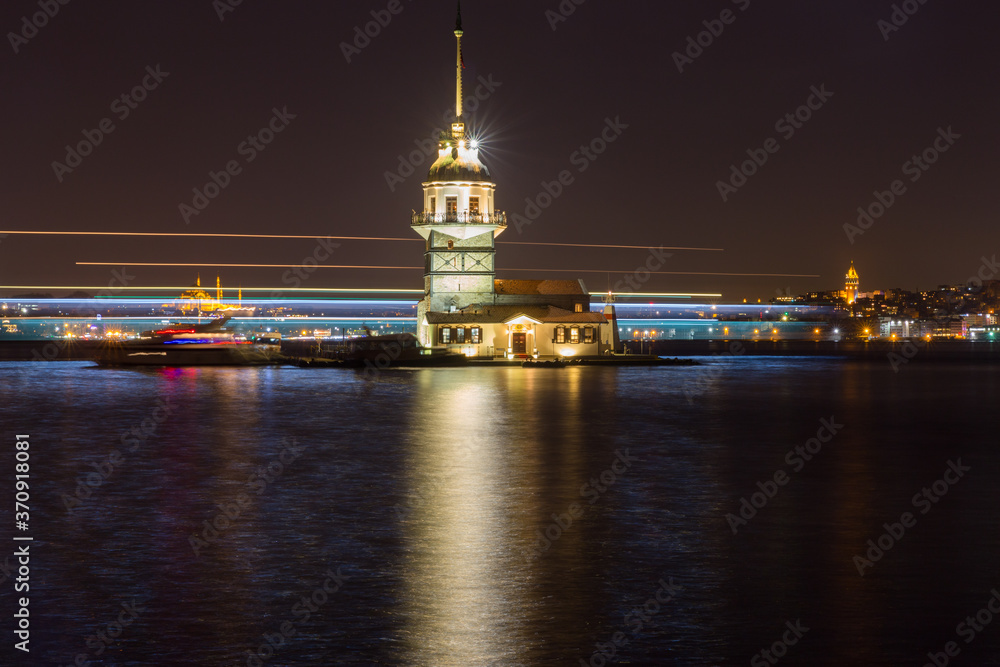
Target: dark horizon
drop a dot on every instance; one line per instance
(549, 92)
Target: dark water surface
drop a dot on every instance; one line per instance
(428, 490)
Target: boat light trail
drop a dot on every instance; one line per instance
(219, 235)
(420, 268)
(342, 290)
(605, 245)
(677, 273)
(340, 238)
(655, 294)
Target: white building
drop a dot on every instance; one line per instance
(464, 306)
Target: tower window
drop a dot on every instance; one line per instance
(474, 206)
(451, 207)
(433, 205)
(451, 244)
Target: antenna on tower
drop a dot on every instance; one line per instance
(459, 64)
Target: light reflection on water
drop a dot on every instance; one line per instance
(431, 489)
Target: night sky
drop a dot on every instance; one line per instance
(553, 91)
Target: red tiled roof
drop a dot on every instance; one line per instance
(561, 287)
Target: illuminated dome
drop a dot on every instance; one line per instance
(457, 164)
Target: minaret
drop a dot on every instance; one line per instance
(458, 220)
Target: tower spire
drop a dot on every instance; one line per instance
(458, 64)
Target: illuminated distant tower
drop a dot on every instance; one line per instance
(851, 285)
(458, 220)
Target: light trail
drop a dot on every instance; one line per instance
(340, 238)
(677, 273)
(260, 266)
(335, 290)
(605, 245)
(420, 268)
(218, 235)
(343, 290)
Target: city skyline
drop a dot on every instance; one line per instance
(348, 117)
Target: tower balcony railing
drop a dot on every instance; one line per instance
(463, 218)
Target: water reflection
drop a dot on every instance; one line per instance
(462, 592)
(491, 576)
(479, 461)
